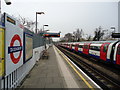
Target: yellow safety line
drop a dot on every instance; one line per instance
(76, 70)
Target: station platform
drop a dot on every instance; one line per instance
(57, 72)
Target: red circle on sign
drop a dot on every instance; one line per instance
(15, 60)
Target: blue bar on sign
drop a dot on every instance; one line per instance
(14, 49)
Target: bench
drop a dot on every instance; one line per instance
(45, 54)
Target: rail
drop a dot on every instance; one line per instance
(90, 68)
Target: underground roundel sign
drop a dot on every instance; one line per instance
(12, 49)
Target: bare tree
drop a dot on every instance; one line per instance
(27, 23)
(78, 34)
(102, 34)
(68, 37)
(88, 38)
(98, 34)
(107, 35)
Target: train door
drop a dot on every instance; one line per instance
(73, 46)
(103, 51)
(76, 47)
(66, 45)
(70, 46)
(118, 55)
(86, 48)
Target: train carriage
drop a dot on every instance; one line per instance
(106, 51)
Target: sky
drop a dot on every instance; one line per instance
(67, 15)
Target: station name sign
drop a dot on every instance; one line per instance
(14, 49)
(13, 44)
(11, 20)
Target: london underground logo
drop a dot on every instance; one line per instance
(15, 48)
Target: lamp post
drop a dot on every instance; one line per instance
(113, 28)
(43, 27)
(36, 19)
(43, 33)
(8, 2)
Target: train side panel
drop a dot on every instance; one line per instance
(110, 52)
(117, 54)
(95, 50)
(86, 48)
(103, 51)
(80, 48)
(70, 46)
(76, 47)
(73, 46)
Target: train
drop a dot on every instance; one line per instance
(106, 51)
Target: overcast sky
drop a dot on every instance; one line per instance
(67, 15)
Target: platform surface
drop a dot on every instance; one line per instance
(53, 72)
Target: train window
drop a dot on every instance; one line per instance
(118, 50)
(91, 47)
(80, 46)
(86, 46)
(96, 48)
(105, 47)
(73, 45)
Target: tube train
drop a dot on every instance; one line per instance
(107, 51)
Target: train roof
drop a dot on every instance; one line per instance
(96, 42)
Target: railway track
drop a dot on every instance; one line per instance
(105, 78)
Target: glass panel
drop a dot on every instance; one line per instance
(28, 47)
(73, 45)
(96, 48)
(105, 47)
(86, 46)
(80, 46)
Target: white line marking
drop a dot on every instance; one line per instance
(82, 72)
(71, 83)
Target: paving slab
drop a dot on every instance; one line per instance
(45, 74)
(54, 72)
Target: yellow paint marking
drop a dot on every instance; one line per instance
(76, 70)
(2, 52)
